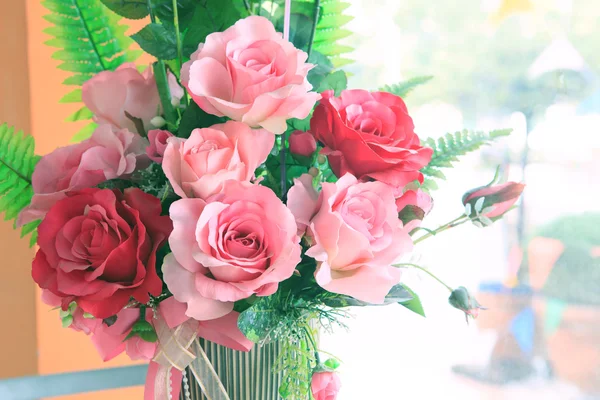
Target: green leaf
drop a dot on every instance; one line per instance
(398, 293)
(144, 330)
(71, 97)
(414, 304)
(132, 9)
(17, 162)
(84, 133)
(330, 30)
(194, 117)
(332, 363)
(67, 321)
(336, 81)
(209, 16)
(259, 320)
(404, 88)
(156, 40)
(323, 67)
(82, 114)
(448, 148)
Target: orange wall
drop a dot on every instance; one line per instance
(17, 291)
(60, 350)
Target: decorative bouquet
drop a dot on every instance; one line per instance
(234, 191)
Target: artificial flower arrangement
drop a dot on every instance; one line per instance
(234, 191)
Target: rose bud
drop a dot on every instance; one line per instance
(488, 203)
(325, 385)
(462, 300)
(302, 143)
(158, 144)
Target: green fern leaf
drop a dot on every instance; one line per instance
(403, 88)
(448, 148)
(89, 39)
(17, 162)
(330, 31)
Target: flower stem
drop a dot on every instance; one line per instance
(455, 222)
(283, 168)
(312, 341)
(424, 270)
(314, 26)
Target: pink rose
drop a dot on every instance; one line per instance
(110, 340)
(242, 242)
(412, 207)
(110, 94)
(250, 74)
(325, 385)
(108, 154)
(158, 144)
(356, 236)
(371, 136)
(198, 166)
(302, 143)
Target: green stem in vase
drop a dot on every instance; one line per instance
(179, 44)
(455, 222)
(424, 270)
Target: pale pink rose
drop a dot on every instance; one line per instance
(243, 242)
(325, 385)
(302, 143)
(110, 94)
(198, 166)
(412, 207)
(108, 154)
(356, 235)
(110, 340)
(249, 73)
(158, 144)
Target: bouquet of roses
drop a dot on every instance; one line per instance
(234, 191)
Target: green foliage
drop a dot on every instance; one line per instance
(17, 162)
(323, 67)
(448, 148)
(398, 294)
(90, 40)
(207, 17)
(295, 363)
(336, 81)
(414, 304)
(132, 9)
(404, 88)
(330, 31)
(194, 117)
(157, 40)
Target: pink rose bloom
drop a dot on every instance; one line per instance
(110, 340)
(250, 74)
(198, 166)
(110, 94)
(412, 207)
(370, 135)
(242, 242)
(356, 235)
(302, 143)
(325, 385)
(108, 154)
(158, 144)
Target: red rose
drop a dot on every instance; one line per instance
(369, 135)
(98, 248)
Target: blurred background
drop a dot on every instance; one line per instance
(531, 65)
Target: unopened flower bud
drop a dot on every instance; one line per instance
(158, 121)
(321, 159)
(302, 143)
(486, 204)
(313, 172)
(462, 300)
(325, 385)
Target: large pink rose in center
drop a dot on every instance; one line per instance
(242, 242)
(198, 166)
(249, 73)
